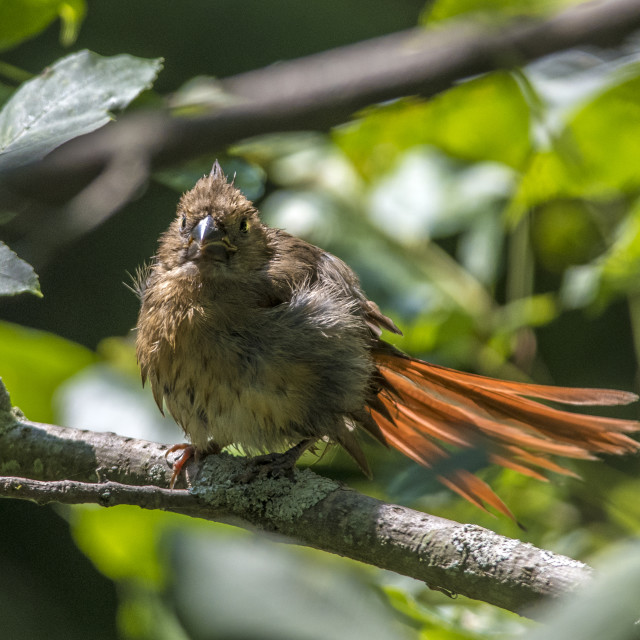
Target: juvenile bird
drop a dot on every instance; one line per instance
(252, 337)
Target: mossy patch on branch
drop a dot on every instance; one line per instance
(279, 499)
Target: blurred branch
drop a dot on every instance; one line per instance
(58, 227)
(73, 466)
(323, 90)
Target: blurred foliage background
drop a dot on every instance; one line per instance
(497, 223)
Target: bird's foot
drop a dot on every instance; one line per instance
(274, 465)
(188, 452)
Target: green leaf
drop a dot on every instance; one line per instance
(547, 177)
(73, 97)
(34, 363)
(565, 233)
(503, 9)
(606, 132)
(22, 19)
(612, 274)
(16, 275)
(532, 311)
(595, 156)
(123, 542)
(621, 264)
(71, 13)
(485, 119)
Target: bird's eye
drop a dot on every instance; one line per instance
(183, 223)
(244, 225)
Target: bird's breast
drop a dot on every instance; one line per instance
(221, 383)
(237, 372)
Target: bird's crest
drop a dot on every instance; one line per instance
(216, 172)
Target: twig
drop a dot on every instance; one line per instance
(107, 494)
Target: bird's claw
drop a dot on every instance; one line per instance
(188, 452)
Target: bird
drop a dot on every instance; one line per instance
(252, 337)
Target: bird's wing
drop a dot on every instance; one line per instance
(336, 270)
(298, 264)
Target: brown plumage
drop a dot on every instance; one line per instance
(252, 337)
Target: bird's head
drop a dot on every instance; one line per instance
(216, 230)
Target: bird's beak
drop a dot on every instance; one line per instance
(208, 238)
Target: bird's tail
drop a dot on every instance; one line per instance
(424, 410)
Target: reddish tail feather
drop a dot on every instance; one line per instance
(425, 407)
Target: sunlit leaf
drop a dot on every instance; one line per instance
(595, 155)
(606, 132)
(496, 9)
(546, 177)
(564, 233)
(74, 96)
(123, 542)
(16, 275)
(34, 363)
(71, 13)
(527, 312)
(485, 119)
(22, 19)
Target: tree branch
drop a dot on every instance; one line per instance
(106, 494)
(52, 463)
(323, 90)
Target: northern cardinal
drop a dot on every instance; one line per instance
(253, 337)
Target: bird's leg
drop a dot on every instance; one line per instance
(188, 452)
(275, 465)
